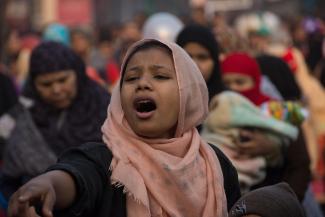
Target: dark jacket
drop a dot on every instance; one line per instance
(8, 94)
(89, 166)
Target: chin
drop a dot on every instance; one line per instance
(62, 105)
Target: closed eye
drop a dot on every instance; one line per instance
(129, 79)
(161, 77)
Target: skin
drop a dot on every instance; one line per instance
(201, 57)
(155, 79)
(238, 82)
(58, 89)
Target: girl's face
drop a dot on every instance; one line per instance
(150, 95)
(238, 82)
(201, 57)
(57, 88)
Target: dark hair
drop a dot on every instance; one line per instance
(145, 46)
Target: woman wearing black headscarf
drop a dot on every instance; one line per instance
(61, 108)
(280, 75)
(200, 43)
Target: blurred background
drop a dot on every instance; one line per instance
(34, 15)
(100, 32)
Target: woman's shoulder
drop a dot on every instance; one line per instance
(224, 161)
(230, 177)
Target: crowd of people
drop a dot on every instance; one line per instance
(225, 119)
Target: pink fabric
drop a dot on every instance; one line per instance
(177, 177)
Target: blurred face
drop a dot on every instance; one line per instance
(201, 57)
(80, 44)
(150, 95)
(57, 88)
(238, 82)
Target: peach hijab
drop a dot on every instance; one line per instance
(174, 177)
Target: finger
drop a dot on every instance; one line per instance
(29, 194)
(23, 209)
(32, 212)
(247, 150)
(12, 206)
(246, 145)
(48, 204)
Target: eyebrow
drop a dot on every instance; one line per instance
(155, 67)
(133, 68)
(46, 82)
(136, 68)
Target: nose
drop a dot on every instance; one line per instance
(144, 82)
(56, 88)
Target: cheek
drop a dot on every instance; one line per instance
(249, 84)
(206, 68)
(71, 87)
(125, 101)
(175, 101)
(43, 92)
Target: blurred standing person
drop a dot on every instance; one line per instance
(82, 45)
(102, 57)
(280, 75)
(199, 42)
(241, 73)
(61, 108)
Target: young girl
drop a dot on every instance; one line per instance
(154, 162)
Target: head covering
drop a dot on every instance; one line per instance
(57, 32)
(203, 36)
(165, 182)
(53, 56)
(280, 75)
(242, 63)
(275, 200)
(81, 122)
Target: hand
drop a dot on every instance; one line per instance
(37, 191)
(255, 144)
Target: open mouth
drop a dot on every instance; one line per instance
(145, 105)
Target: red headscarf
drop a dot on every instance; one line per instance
(242, 63)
